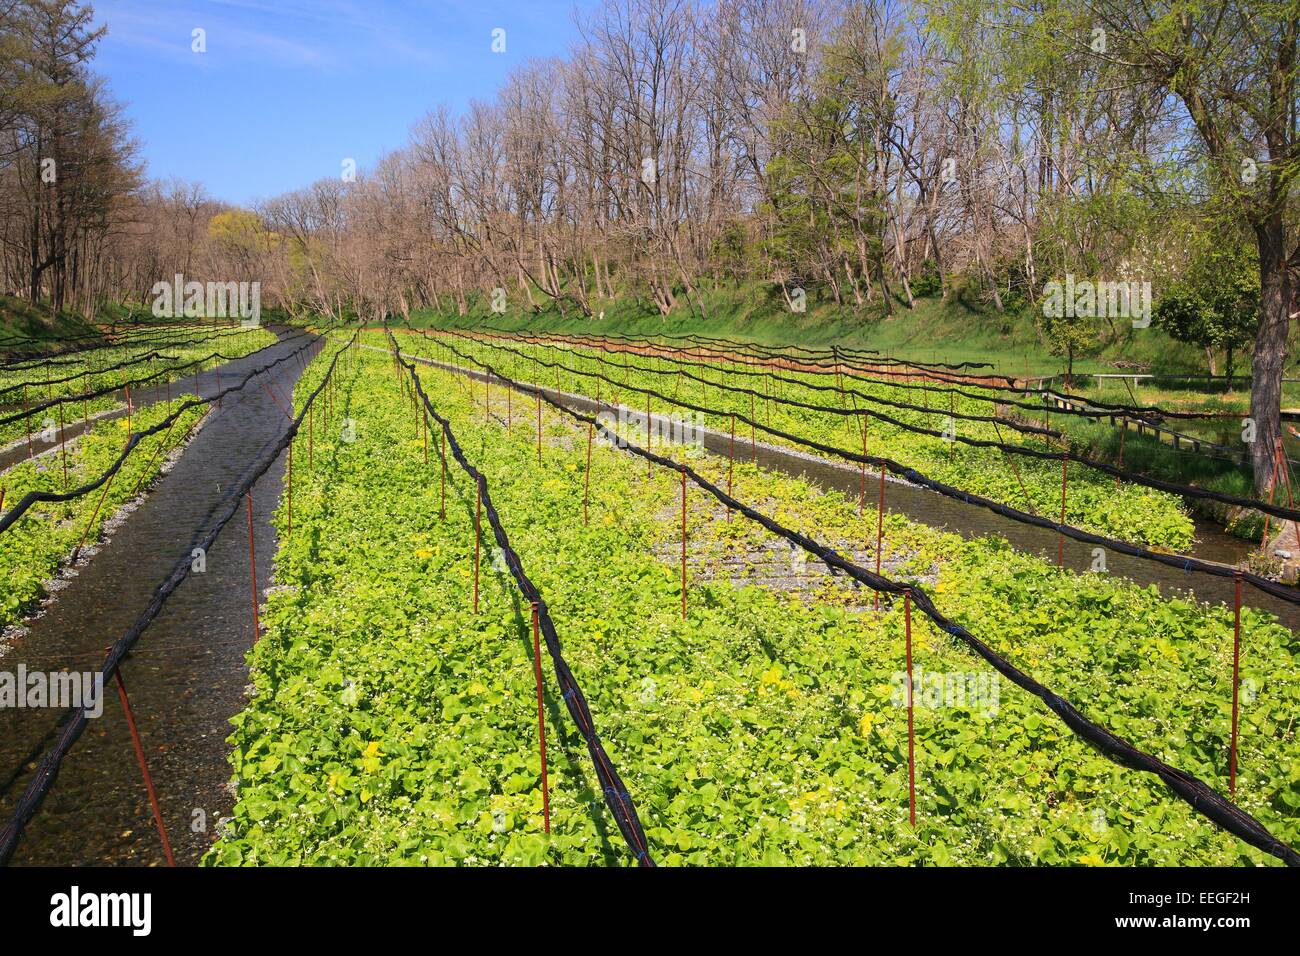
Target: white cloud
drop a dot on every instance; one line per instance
(311, 34)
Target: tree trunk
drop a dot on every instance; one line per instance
(886, 295)
(1270, 346)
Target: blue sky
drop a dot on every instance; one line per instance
(289, 88)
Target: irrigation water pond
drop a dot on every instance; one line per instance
(186, 678)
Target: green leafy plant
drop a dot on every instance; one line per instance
(392, 724)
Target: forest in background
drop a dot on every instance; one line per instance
(860, 156)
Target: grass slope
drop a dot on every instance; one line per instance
(955, 329)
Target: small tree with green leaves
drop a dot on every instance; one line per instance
(1072, 336)
(1215, 304)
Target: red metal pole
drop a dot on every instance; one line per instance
(683, 545)
(63, 447)
(1065, 463)
(289, 531)
(753, 435)
(478, 537)
(586, 478)
(442, 504)
(1236, 683)
(1285, 467)
(952, 404)
(1060, 538)
(911, 697)
(731, 462)
(94, 515)
(144, 768)
(541, 721)
(649, 436)
(1123, 431)
(880, 528)
(862, 490)
(276, 398)
(1272, 484)
(27, 424)
(156, 455)
(252, 567)
(539, 425)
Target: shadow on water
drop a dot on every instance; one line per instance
(187, 676)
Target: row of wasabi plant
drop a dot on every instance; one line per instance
(83, 373)
(34, 547)
(390, 723)
(1094, 501)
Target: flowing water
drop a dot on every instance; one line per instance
(186, 677)
(970, 521)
